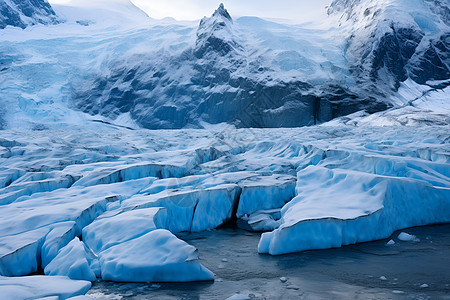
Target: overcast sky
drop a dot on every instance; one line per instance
(294, 10)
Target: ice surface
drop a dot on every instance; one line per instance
(75, 261)
(348, 180)
(35, 287)
(93, 195)
(337, 207)
(265, 193)
(107, 231)
(191, 209)
(238, 297)
(157, 256)
(355, 179)
(27, 222)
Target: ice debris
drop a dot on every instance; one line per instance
(406, 237)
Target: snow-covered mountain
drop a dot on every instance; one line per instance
(392, 40)
(243, 72)
(224, 76)
(22, 13)
(117, 65)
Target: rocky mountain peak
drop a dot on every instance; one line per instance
(216, 34)
(222, 12)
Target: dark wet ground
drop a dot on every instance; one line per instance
(405, 270)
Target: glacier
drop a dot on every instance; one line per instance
(120, 134)
(353, 183)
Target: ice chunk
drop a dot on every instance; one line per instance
(75, 261)
(173, 183)
(180, 206)
(403, 236)
(390, 243)
(25, 224)
(19, 253)
(262, 220)
(191, 209)
(60, 235)
(265, 192)
(80, 298)
(34, 287)
(12, 192)
(215, 207)
(158, 256)
(130, 172)
(124, 226)
(8, 176)
(342, 207)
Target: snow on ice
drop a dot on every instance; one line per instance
(89, 197)
(157, 256)
(75, 261)
(352, 185)
(36, 287)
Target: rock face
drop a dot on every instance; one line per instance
(22, 13)
(390, 41)
(216, 81)
(432, 62)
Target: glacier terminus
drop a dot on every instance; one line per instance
(137, 152)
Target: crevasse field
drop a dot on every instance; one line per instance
(86, 197)
(125, 192)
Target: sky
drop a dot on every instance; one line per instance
(292, 11)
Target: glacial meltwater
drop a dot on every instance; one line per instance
(387, 269)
